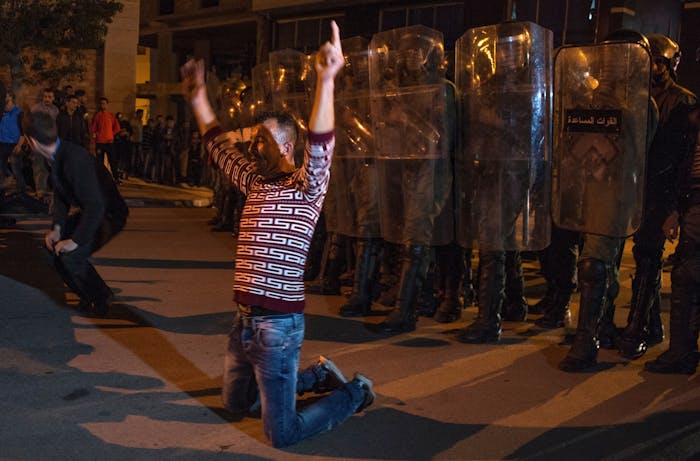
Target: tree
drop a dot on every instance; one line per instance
(42, 41)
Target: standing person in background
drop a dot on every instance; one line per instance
(122, 145)
(71, 126)
(10, 146)
(147, 149)
(82, 108)
(104, 127)
(136, 162)
(264, 344)
(41, 171)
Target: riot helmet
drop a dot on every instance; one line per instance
(512, 47)
(420, 58)
(628, 35)
(666, 54)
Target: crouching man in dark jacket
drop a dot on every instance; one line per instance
(84, 184)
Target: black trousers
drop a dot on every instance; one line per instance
(75, 267)
(112, 157)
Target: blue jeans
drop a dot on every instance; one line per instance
(261, 360)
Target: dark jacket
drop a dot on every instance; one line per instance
(72, 128)
(80, 181)
(670, 147)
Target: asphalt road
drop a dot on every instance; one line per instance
(144, 383)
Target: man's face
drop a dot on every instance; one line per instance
(72, 105)
(47, 98)
(659, 71)
(264, 150)
(8, 100)
(103, 105)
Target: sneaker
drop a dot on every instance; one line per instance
(328, 376)
(366, 386)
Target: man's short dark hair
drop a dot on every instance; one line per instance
(80, 93)
(71, 97)
(104, 99)
(40, 126)
(48, 90)
(284, 120)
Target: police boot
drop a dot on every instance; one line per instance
(403, 317)
(593, 279)
(487, 326)
(427, 302)
(360, 301)
(556, 309)
(545, 270)
(541, 306)
(681, 356)
(389, 279)
(607, 331)
(514, 306)
(328, 281)
(655, 328)
(451, 267)
(467, 285)
(632, 341)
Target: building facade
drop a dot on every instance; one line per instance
(233, 35)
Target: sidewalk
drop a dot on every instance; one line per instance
(140, 193)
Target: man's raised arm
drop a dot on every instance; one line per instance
(195, 91)
(329, 60)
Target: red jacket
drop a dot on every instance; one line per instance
(103, 127)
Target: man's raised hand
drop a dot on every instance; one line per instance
(330, 59)
(192, 78)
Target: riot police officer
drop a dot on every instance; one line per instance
(502, 185)
(644, 325)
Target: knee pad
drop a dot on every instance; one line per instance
(593, 271)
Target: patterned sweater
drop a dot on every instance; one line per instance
(277, 223)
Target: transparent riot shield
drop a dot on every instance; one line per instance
(601, 105)
(292, 84)
(408, 101)
(352, 201)
(502, 177)
(262, 88)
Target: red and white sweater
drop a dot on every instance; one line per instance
(277, 223)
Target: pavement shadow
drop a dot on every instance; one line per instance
(215, 323)
(671, 435)
(163, 263)
(335, 329)
(49, 406)
(387, 433)
(26, 260)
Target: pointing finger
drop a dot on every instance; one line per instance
(335, 35)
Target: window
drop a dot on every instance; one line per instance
(304, 34)
(448, 18)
